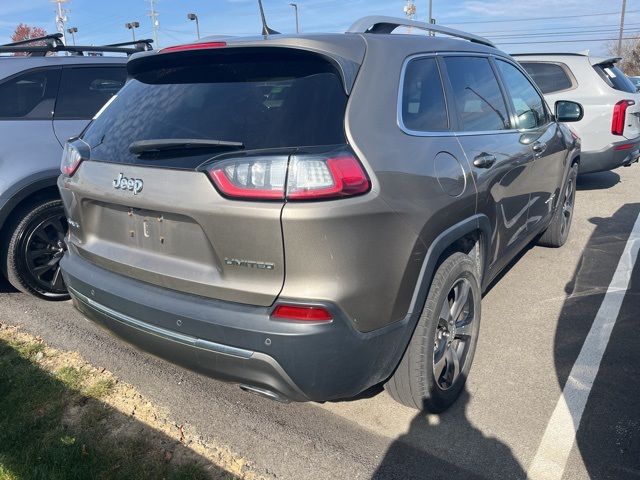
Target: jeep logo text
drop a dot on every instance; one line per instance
(132, 184)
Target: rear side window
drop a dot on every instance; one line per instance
(273, 98)
(614, 77)
(29, 96)
(527, 103)
(550, 77)
(476, 93)
(423, 104)
(84, 90)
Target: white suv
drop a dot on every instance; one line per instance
(610, 128)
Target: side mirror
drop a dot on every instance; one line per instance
(567, 111)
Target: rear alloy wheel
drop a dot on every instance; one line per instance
(558, 230)
(434, 368)
(35, 244)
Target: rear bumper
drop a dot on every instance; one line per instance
(610, 157)
(237, 343)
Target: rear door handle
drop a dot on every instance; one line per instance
(484, 160)
(539, 148)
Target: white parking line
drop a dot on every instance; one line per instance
(551, 458)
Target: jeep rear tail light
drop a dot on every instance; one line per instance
(316, 177)
(619, 116)
(72, 155)
(252, 178)
(301, 177)
(302, 313)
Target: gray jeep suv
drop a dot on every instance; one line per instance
(44, 99)
(311, 215)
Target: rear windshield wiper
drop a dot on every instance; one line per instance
(159, 145)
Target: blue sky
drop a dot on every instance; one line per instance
(102, 21)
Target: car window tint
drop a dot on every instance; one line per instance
(29, 96)
(614, 77)
(84, 90)
(423, 103)
(476, 94)
(550, 77)
(277, 99)
(528, 104)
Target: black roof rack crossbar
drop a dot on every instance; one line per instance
(53, 39)
(144, 44)
(382, 24)
(41, 50)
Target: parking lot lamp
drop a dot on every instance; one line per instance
(193, 16)
(132, 26)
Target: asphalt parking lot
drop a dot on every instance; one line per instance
(509, 423)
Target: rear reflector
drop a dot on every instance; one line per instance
(302, 313)
(193, 46)
(624, 146)
(619, 116)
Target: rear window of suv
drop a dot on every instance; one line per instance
(614, 77)
(271, 99)
(550, 77)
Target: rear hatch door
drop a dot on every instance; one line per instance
(624, 90)
(154, 214)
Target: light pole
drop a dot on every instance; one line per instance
(193, 16)
(295, 7)
(624, 7)
(132, 26)
(73, 31)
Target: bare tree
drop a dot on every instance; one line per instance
(630, 63)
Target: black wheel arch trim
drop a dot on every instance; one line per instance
(23, 189)
(440, 244)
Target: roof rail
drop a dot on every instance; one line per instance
(382, 24)
(56, 45)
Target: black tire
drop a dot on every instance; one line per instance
(33, 242)
(558, 230)
(414, 382)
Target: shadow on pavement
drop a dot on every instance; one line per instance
(49, 429)
(436, 445)
(597, 181)
(608, 437)
(5, 286)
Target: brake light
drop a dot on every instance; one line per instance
(619, 116)
(302, 177)
(256, 178)
(72, 157)
(302, 313)
(193, 46)
(316, 177)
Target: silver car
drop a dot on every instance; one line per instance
(610, 128)
(44, 100)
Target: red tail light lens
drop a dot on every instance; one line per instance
(302, 177)
(254, 178)
(72, 156)
(302, 313)
(312, 177)
(193, 46)
(619, 116)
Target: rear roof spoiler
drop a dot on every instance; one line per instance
(604, 61)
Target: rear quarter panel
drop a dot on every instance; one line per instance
(366, 253)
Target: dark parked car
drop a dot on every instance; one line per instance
(310, 215)
(44, 100)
